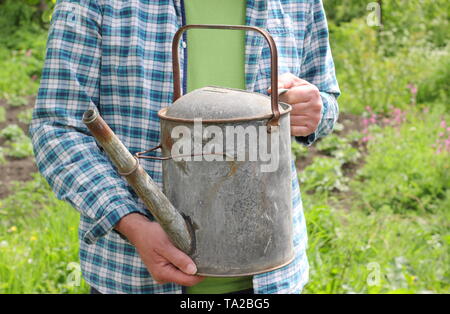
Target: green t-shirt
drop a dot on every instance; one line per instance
(216, 57)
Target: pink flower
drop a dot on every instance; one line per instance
(365, 139)
(412, 88)
(443, 124)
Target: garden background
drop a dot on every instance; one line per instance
(376, 191)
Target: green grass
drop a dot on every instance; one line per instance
(405, 169)
(381, 252)
(19, 76)
(38, 242)
(390, 231)
(2, 156)
(17, 144)
(25, 116)
(2, 114)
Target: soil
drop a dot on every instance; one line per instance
(351, 123)
(15, 169)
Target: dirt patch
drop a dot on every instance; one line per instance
(15, 169)
(351, 123)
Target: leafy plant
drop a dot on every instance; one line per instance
(323, 175)
(344, 10)
(24, 14)
(381, 252)
(15, 100)
(354, 136)
(298, 150)
(12, 132)
(419, 22)
(338, 147)
(38, 242)
(19, 145)
(2, 114)
(25, 116)
(370, 78)
(18, 78)
(435, 86)
(2, 156)
(403, 170)
(22, 50)
(21, 148)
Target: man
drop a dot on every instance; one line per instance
(115, 55)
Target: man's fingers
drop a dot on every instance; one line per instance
(299, 94)
(179, 259)
(300, 108)
(300, 120)
(280, 86)
(178, 268)
(288, 80)
(306, 121)
(300, 130)
(169, 273)
(306, 103)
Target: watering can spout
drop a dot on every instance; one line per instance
(174, 224)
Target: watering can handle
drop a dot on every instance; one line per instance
(274, 121)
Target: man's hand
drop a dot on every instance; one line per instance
(164, 261)
(306, 104)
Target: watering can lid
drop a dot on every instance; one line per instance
(219, 103)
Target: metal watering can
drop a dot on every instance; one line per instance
(225, 203)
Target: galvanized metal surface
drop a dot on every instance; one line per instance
(242, 217)
(214, 104)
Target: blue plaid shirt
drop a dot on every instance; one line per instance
(115, 55)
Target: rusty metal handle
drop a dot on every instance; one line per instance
(274, 121)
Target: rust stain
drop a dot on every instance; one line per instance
(212, 193)
(182, 165)
(234, 166)
(100, 130)
(167, 141)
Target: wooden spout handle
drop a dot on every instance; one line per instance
(177, 228)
